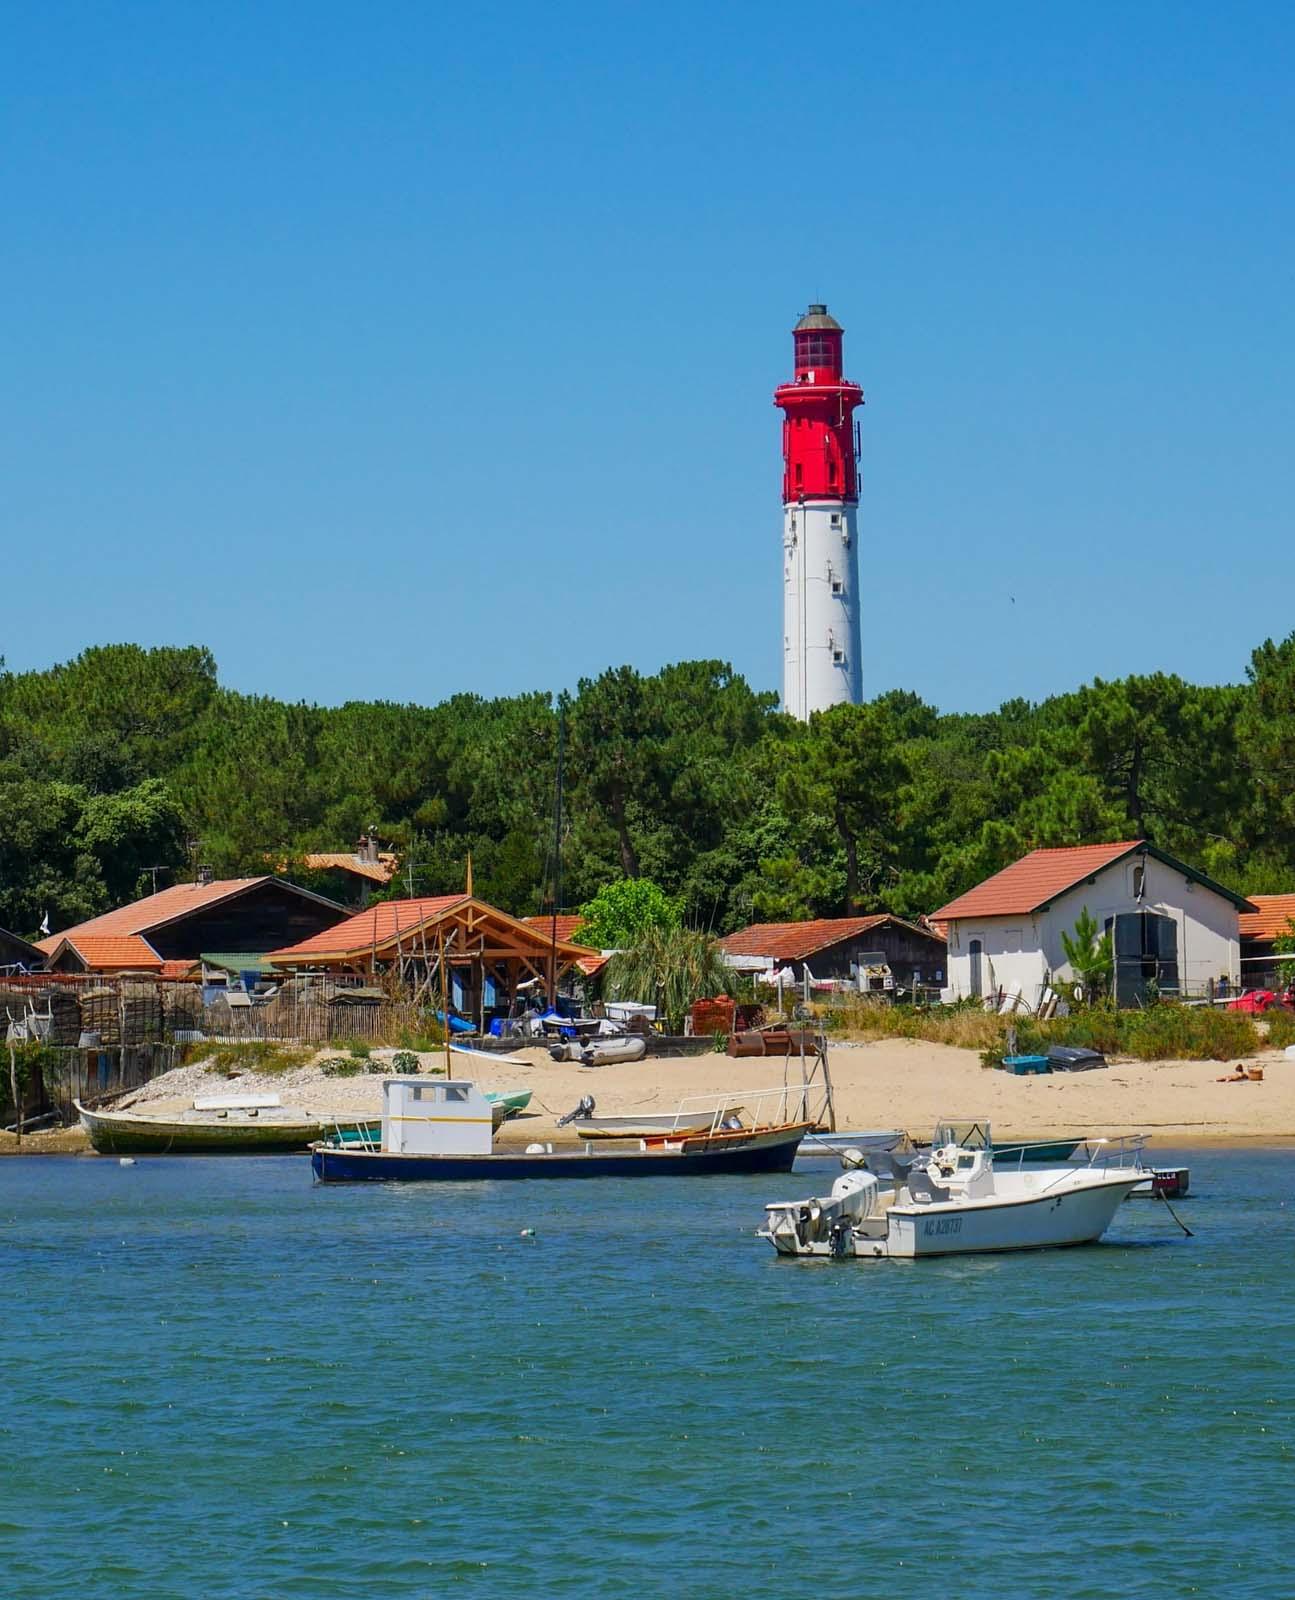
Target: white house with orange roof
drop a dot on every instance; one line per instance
(1174, 930)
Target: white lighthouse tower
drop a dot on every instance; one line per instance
(820, 499)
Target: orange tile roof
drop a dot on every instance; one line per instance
(567, 923)
(372, 929)
(1034, 880)
(379, 930)
(179, 969)
(380, 871)
(1272, 917)
(156, 910)
(107, 952)
(795, 941)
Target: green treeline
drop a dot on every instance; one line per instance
(126, 760)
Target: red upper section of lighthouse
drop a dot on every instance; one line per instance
(818, 436)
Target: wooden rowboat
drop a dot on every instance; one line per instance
(232, 1132)
(670, 1124)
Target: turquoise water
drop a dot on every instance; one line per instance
(219, 1380)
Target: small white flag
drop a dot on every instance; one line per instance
(44, 925)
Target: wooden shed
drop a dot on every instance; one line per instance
(836, 947)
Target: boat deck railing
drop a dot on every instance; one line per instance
(1120, 1151)
(362, 1134)
(788, 1102)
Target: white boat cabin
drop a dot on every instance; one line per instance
(435, 1117)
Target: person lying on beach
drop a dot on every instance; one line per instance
(1237, 1075)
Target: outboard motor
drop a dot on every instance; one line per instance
(857, 1194)
(838, 1239)
(583, 1110)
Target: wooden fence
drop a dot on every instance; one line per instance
(116, 1013)
(387, 1022)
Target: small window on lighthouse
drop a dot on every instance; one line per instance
(836, 519)
(838, 658)
(799, 472)
(837, 586)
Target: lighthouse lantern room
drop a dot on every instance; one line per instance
(820, 498)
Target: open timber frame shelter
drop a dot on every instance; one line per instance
(407, 939)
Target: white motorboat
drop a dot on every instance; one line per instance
(953, 1201)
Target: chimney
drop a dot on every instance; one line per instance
(206, 875)
(368, 848)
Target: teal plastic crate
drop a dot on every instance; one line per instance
(1021, 1065)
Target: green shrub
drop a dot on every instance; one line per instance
(405, 1061)
(258, 1055)
(359, 1049)
(967, 1025)
(340, 1067)
(1166, 1031)
(33, 1061)
(1188, 1033)
(1281, 1028)
(429, 1035)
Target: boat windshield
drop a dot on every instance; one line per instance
(970, 1133)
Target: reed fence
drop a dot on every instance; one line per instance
(98, 1013)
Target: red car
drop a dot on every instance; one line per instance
(1260, 1000)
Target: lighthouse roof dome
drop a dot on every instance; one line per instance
(817, 317)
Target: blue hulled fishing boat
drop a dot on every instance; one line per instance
(443, 1132)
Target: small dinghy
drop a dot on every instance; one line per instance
(614, 1049)
(605, 1051)
(510, 1101)
(955, 1202)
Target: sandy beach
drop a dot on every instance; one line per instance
(889, 1083)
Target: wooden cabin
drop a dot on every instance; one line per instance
(166, 933)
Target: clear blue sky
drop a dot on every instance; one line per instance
(393, 350)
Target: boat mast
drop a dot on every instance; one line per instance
(445, 999)
(557, 855)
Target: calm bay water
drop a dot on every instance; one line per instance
(220, 1380)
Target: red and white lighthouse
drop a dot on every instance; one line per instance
(820, 499)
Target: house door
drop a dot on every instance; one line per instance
(976, 950)
(1146, 957)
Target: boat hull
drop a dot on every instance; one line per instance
(837, 1144)
(512, 1101)
(1077, 1216)
(1076, 1211)
(771, 1150)
(117, 1133)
